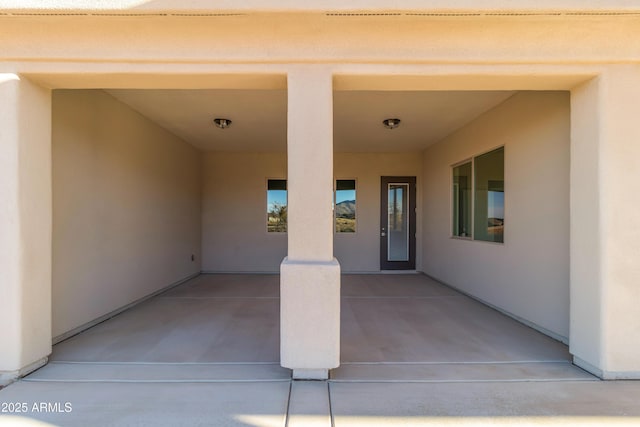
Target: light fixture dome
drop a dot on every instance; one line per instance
(222, 123)
(391, 123)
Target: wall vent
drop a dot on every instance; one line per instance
(108, 14)
(521, 14)
(336, 14)
(603, 13)
(42, 14)
(365, 14)
(208, 14)
(443, 14)
(135, 15)
(483, 14)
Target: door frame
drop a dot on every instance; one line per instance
(385, 264)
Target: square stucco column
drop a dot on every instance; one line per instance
(310, 275)
(605, 223)
(25, 226)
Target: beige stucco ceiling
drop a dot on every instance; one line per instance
(260, 116)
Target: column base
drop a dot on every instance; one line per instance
(311, 374)
(310, 317)
(7, 377)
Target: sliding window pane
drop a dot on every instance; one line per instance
(489, 197)
(277, 205)
(345, 206)
(462, 200)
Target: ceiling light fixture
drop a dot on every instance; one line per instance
(391, 123)
(222, 123)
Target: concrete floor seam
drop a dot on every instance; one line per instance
(525, 380)
(286, 414)
(460, 363)
(403, 297)
(206, 298)
(134, 381)
(331, 418)
(64, 362)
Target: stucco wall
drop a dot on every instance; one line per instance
(528, 275)
(234, 209)
(234, 228)
(25, 225)
(126, 211)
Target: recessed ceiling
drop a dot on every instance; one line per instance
(426, 117)
(260, 116)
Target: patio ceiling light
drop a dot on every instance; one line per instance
(222, 123)
(391, 123)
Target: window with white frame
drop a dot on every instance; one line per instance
(462, 200)
(478, 197)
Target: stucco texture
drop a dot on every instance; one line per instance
(126, 210)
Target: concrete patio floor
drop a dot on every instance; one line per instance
(414, 352)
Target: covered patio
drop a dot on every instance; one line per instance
(402, 321)
(412, 350)
(120, 181)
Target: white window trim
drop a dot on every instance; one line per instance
(472, 159)
(473, 184)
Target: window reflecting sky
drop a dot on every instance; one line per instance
(496, 204)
